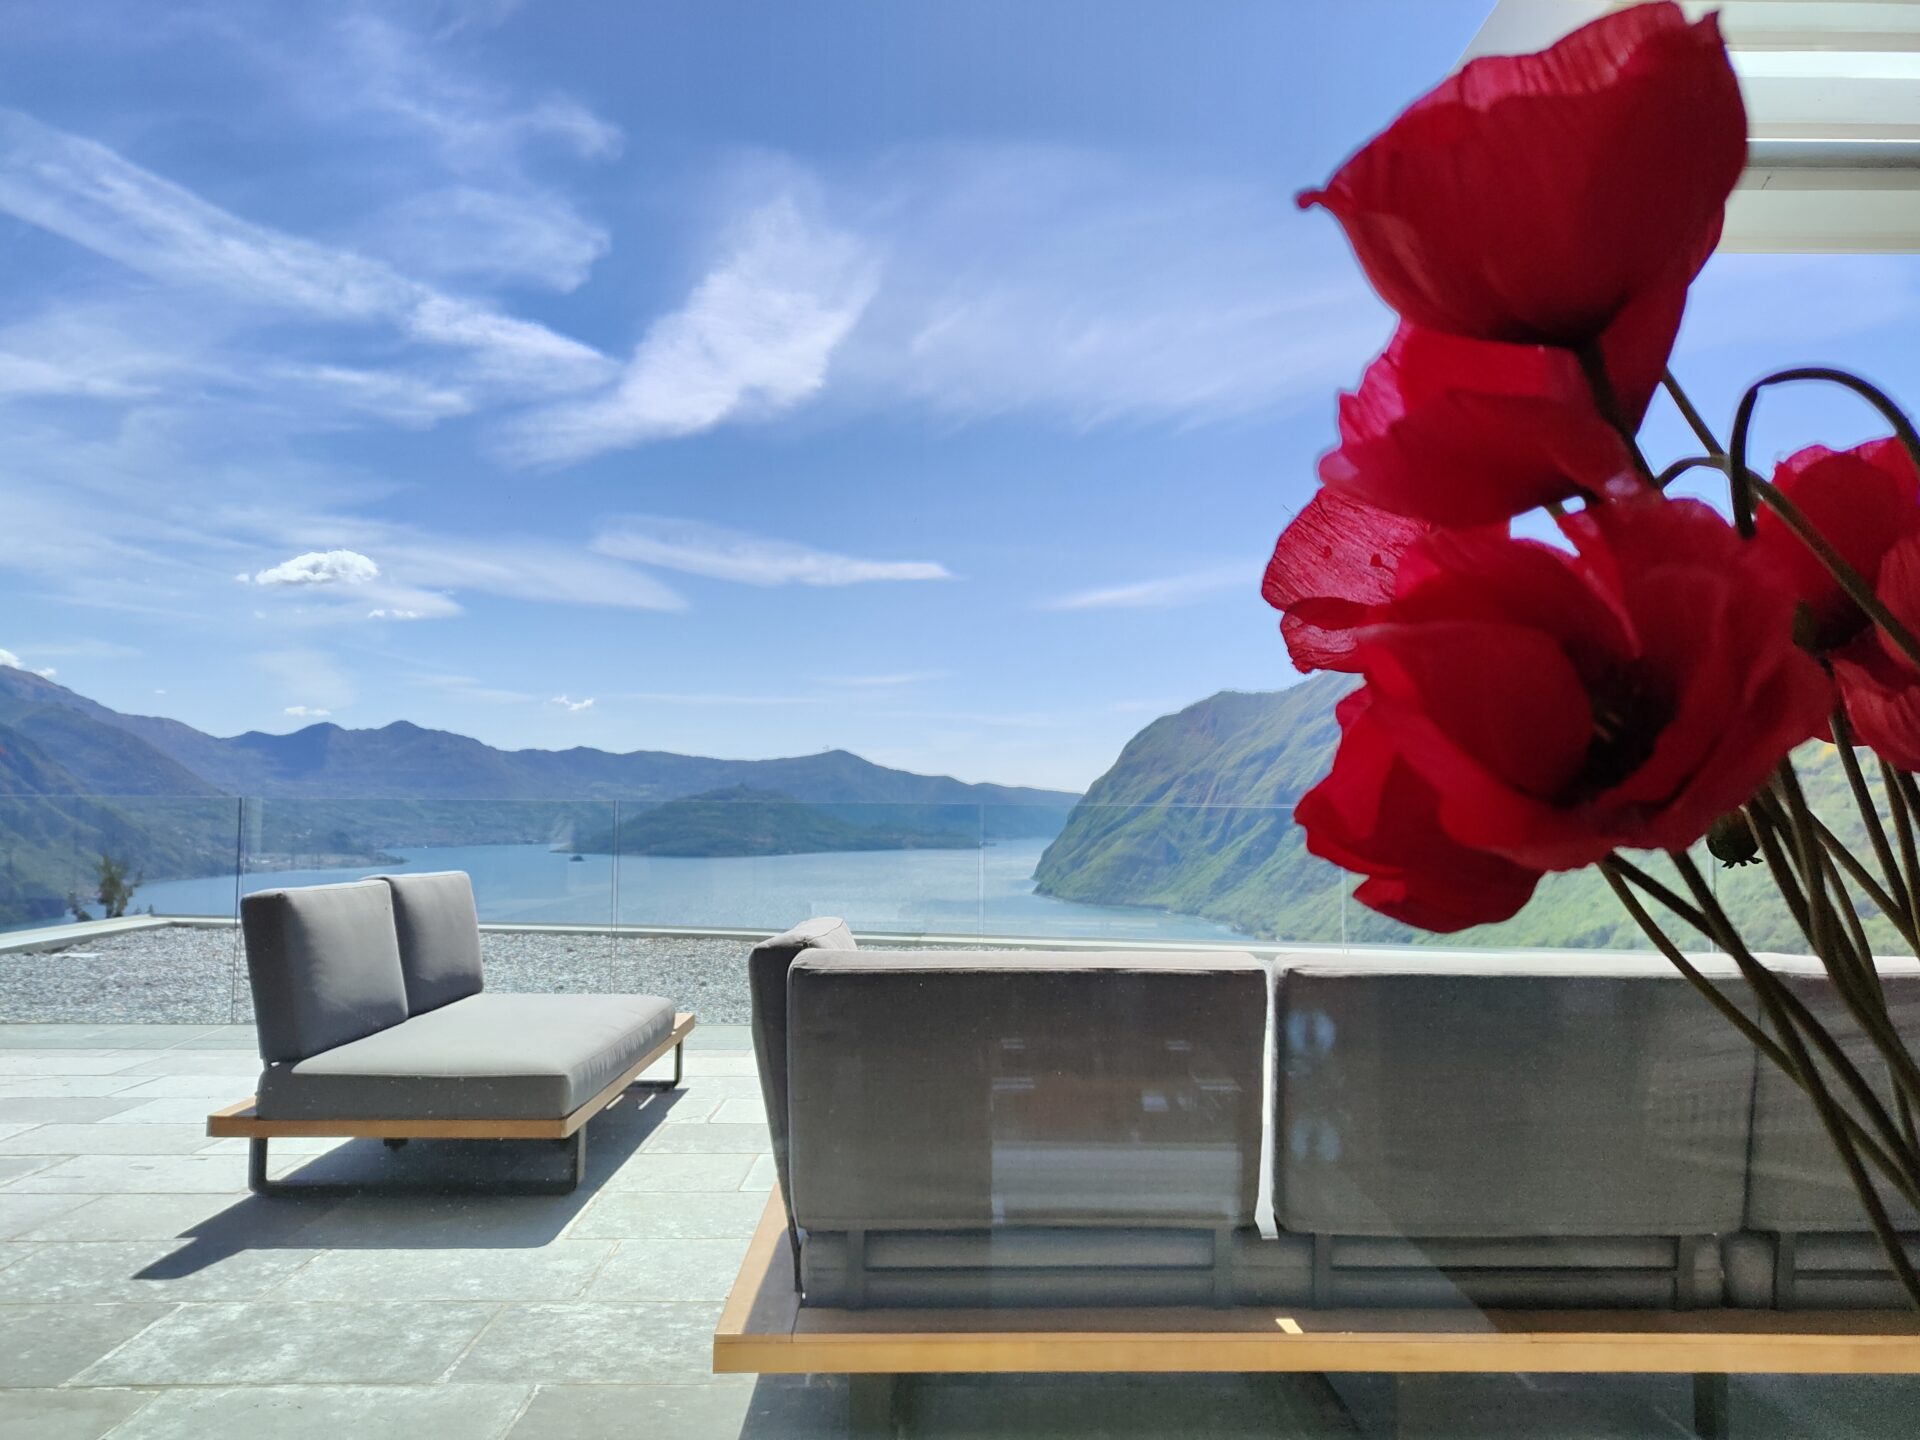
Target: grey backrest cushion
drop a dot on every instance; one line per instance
(439, 934)
(943, 1088)
(1498, 1096)
(767, 991)
(325, 966)
(1795, 1179)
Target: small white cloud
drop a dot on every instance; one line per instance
(159, 692)
(393, 614)
(321, 567)
(308, 712)
(11, 661)
(712, 550)
(1155, 594)
(572, 706)
(46, 672)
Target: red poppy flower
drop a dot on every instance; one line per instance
(1466, 432)
(1878, 682)
(1862, 501)
(1532, 198)
(1330, 567)
(1866, 503)
(1374, 815)
(1560, 706)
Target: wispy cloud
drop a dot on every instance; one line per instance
(310, 675)
(1089, 289)
(1156, 594)
(491, 237)
(570, 705)
(722, 554)
(307, 712)
(530, 570)
(883, 682)
(753, 339)
(80, 189)
(466, 687)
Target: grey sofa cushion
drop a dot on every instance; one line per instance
(325, 966)
(488, 1057)
(952, 1089)
(767, 989)
(1796, 1181)
(1524, 1096)
(439, 934)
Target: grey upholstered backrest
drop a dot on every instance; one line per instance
(439, 934)
(1795, 1180)
(325, 966)
(936, 1089)
(1499, 1096)
(767, 986)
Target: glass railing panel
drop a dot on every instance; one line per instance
(544, 868)
(64, 859)
(1167, 873)
(719, 863)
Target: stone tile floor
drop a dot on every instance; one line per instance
(144, 1293)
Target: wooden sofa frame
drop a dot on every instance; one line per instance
(241, 1119)
(765, 1330)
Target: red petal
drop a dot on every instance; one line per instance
(1330, 567)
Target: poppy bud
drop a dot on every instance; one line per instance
(1732, 841)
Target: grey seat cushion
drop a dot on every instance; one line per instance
(439, 934)
(325, 966)
(1531, 1095)
(487, 1057)
(954, 1089)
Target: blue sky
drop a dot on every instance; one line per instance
(928, 380)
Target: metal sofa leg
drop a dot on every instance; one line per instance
(1710, 1407)
(874, 1407)
(257, 1166)
(679, 1071)
(578, 1171)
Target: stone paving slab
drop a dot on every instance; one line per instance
(50, 1344)
(328, 1412)
(66, 1414)
(382, 1343)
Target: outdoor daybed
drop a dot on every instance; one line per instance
(1059, 1161)
(373, 1021)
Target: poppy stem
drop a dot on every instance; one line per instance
(1617, 869)
(1593, 365)
(1693, 462)
(1692, 416)
(1767, 988)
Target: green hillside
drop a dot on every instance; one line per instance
(50, 840)
(743, 821)
(1195, 817)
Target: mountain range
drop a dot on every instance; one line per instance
(79, 779)
(1196, 816)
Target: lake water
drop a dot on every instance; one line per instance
(986, 892)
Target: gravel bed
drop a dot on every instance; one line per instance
(181, 974)
(197, 975)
